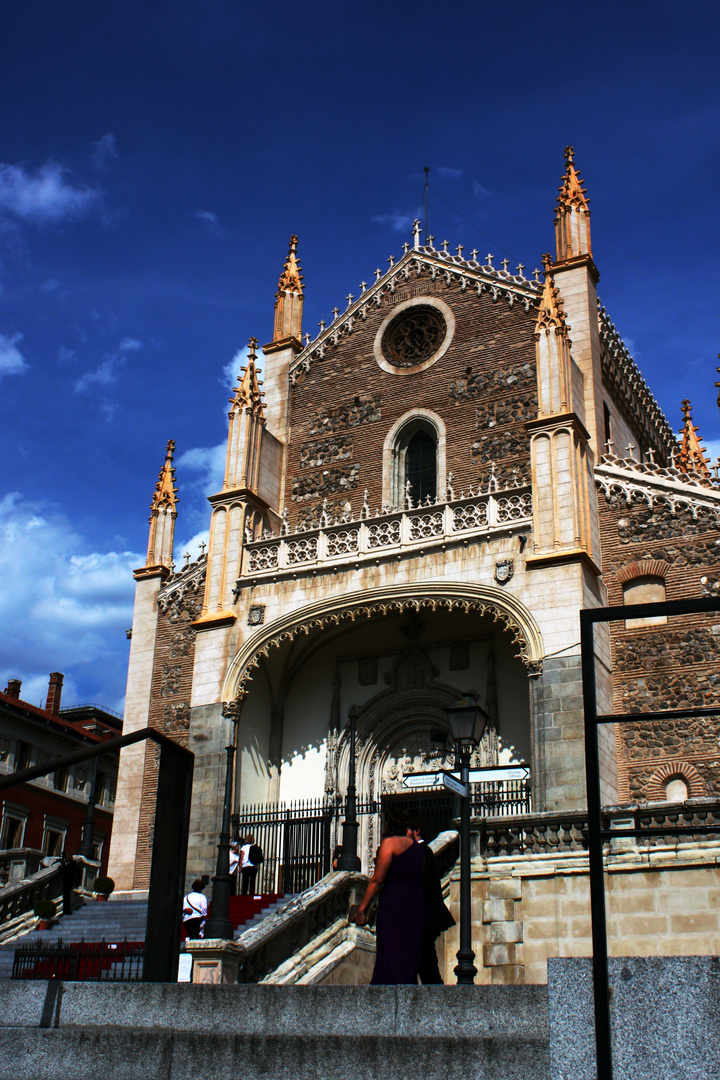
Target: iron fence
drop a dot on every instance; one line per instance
(296, 838)
(295, 841)
(117, 961)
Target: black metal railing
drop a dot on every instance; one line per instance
(295, 840)
(118, 961)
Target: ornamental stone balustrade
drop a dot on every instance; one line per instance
(396, 531)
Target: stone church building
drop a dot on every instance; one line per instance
(417, 503)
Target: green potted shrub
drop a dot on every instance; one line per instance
(103, 886)
(46, 912)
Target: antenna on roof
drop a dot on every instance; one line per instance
(427, 182)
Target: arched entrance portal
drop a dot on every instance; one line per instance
(400, 669)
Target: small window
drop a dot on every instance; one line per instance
(421, 467)
(644, 590)
(23, 752)
(54, 842)
(608, 427)
(13, 832)
(60, 779)
(676, 789)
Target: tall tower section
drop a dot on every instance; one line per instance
(148, 580)
(286, 343)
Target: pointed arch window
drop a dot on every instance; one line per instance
(421, 466)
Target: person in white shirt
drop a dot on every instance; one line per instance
(194, 910)
(234, 863)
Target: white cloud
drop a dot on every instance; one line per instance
(48, 196)
(12, 361)
(399, 222)
(104, 152)
(481, 191)
(210, 221)
(712, 449)
(64, 607)
(208, 465)
(231, 371)
(66, 355)
(106, 373)
(449, 174)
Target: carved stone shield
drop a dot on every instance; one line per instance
(504, 571)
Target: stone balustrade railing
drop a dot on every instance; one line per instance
(559, 833)
(389, 531)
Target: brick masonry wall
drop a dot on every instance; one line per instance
(483, 388)
(169, 709)
(664, 666)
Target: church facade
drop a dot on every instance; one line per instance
(417, 503)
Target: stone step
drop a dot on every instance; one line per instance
(182, 1031)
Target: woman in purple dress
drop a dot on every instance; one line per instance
(401, 908)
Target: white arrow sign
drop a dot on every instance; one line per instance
(496, 774)
(424, 780)
(454, 785)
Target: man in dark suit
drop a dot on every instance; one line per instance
(437, 917)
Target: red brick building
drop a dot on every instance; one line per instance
(47, 814)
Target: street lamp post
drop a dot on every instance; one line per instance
(349, 859)
(219, 925)
(467, 723)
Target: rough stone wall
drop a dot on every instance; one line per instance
(670, 666)
(483, 388)
(169, 708)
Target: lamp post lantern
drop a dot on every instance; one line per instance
(467, 722)
(349, 859)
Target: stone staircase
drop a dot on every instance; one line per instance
(181, 1031)
(113, 921)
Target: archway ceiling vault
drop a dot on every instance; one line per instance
(501, 606)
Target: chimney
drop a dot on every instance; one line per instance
(52, 705)
(13, 688)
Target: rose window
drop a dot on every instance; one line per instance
(414, 336)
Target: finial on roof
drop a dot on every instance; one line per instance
(546, 261)
(572, 218)
(416, 233)
(289, 297)
(551, 307)
(165, 494)
(692, 453)
(248, 394)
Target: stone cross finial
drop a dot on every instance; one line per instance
(445, 245)
(378, 273)
(460, 249)
(505, 264)
(391, 260)
(686, 407)
(474, 254)
(186, 557)
(349, 298)
(252, 346)
(489, 259)
(546, 261)
(569, 154)
(520, 267)
(363, 287)
(610, 447)
(405, 247)
(306, 335)
(651, 455)
(431, 242)
(335, 312)
(536, 273)
(416, 233)
(203, 545)
(321, 324)
(630, 447)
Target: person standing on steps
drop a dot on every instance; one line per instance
(251, 857)
(401, 908)
(194, 910)
(437, 916)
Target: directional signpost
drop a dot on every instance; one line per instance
(434, 780)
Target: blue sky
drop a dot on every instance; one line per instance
(157, 157)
